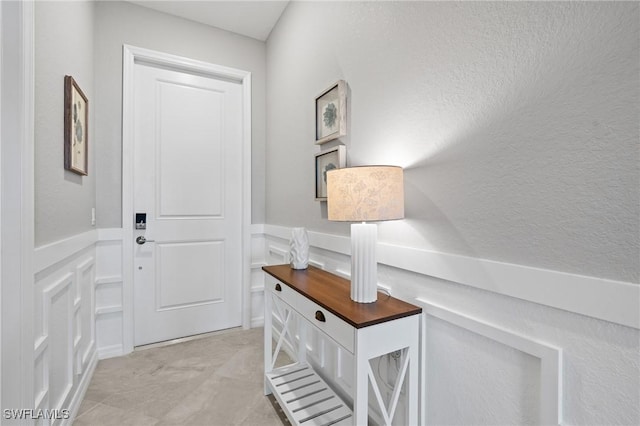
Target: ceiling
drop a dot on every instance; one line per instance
(254, 19)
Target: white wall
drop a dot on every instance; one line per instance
(119, 23)
(63, 199)
(517, 126)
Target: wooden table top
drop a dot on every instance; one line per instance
(334, 294)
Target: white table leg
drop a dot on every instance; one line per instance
(268, 346)
(414, 371)
(361, 387)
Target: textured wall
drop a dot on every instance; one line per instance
(517, 124)
(63, 199)
(119, 23)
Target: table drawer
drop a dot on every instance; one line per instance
(334, 327)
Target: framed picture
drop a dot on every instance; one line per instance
(328, 160)
(76, 129)
(331, 113)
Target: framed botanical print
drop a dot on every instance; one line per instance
(334, 158)
(76, 129)
(331, 113)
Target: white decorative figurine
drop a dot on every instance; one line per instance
(299, 245)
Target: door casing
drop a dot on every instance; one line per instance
(131, 56)
(17, 103)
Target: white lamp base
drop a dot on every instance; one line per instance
(364, 268)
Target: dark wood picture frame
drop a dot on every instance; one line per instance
(76, 128)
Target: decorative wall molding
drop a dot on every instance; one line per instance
(609, 300)
(116, 279)
(550, 356)
(64, 331)
(108, 309)
(76, 401)
(86, 267)
(64, 284)
(109, 291)
(110, 234)
(279, 253)
(50, 254)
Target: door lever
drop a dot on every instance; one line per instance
(141, 240)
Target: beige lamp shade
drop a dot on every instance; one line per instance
(367, 193)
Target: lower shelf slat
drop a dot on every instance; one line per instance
(306, 398)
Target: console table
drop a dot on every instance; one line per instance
(365, 330)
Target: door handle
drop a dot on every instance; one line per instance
(320, 316)
(141, 240)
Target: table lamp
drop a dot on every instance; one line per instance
(362, 194)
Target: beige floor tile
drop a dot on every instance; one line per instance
(261, 414)
(105, 415)
(217, 380)
(87, 404)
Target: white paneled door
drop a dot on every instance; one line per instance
(187, 180)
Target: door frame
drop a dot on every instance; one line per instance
(17, 101)
(130, 56)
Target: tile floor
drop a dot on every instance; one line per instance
(216, 380)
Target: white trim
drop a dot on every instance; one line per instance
(67, 283)
(131, 55)
(115, 279)
(2, 204)
(614, 301)
(258, 265)
(110, 234)
(246, 197)
(110, 351)
(104, 310)
(17, 194)
(76, 401)
(48, 255)
(550, 356)
(275, 251)
(257, 229)
(257, 322)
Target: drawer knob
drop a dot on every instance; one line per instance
(320, 316)
(278, 288)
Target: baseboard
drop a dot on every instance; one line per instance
(110, 351)
(257, 322)
(76, 401)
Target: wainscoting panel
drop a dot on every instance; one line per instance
(64, 328)
(257, 277)
(549, 380)
(496, 336)
(109, 294)
(501, 343)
